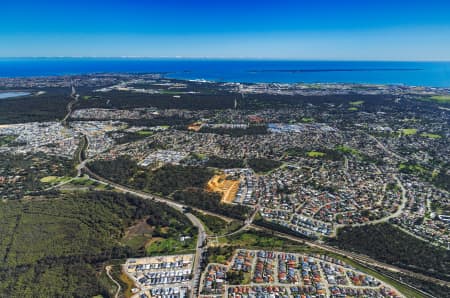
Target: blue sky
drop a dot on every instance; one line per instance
(283, 29)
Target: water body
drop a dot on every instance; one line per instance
(435, 74)
(4, 95)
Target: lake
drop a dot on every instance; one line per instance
(4, 95)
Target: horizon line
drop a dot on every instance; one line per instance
(221, 58)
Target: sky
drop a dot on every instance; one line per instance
(281, 29)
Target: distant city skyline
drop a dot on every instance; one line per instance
(297, 30)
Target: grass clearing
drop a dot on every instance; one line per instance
(144, 132)
(54, 179)
(48, 179)
(170, 246)
(440, 98)
(315, 154)
(356, 103)
(353, 109)
(408, 131)
(430, 135)
(82, 181)
(307, 120)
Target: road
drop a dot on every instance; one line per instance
(74, 97)
(108, 269)
(201, 238)
(382, 146)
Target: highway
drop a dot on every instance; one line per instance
(74, 97)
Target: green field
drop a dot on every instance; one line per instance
(171, 246)
(430, 135)
(353, 109)
(356, 103)
(408, 131)
(441, 98)
(54, 179)
(144, 132)
(307, 120)
(315, 154)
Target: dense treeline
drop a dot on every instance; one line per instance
(169, 178)
(176, 121)
(389, 244)
(269, 101)
(223, 100)
(237, 132)
(129, 137)
(224, 163)
(173, 121)
(53, 248)
(262, 165)
(442, 180)
(128, 100)
(46, 107)
(164, 180)
(119, 170)
(210, 201)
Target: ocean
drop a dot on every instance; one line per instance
(432, 74)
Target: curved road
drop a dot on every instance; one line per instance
(108, 269)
